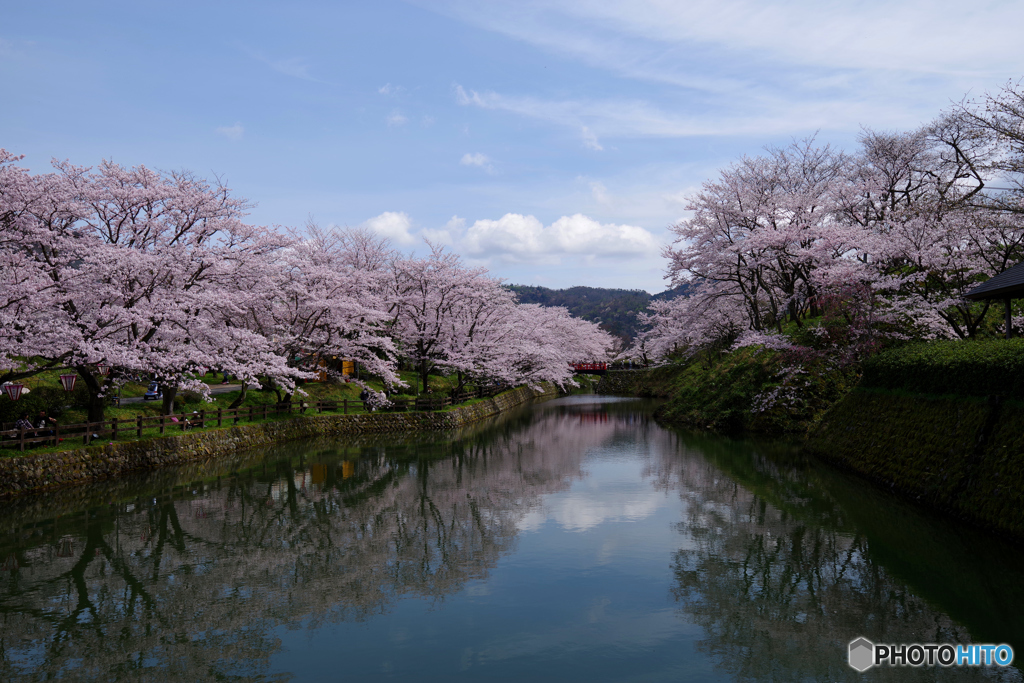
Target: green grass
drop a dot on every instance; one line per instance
(127, 414)
(720, 395)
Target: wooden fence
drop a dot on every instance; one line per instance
(113, 428)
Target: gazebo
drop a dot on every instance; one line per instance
(1008, 285)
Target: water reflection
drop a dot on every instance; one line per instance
(770, 565)
(192, 581)
(786, 561)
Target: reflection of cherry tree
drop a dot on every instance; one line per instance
(778, 593)
(190, 586)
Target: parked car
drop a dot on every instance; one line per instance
(153, 392)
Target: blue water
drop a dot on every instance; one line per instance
(575, 540)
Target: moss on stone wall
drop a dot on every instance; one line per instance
(963, 455)
(31, 473)
(647, 383)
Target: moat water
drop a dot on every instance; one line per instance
(572, 540)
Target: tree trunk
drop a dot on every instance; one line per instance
(168, 393)
(97, 404)
(241, 397)
(424, 375)
(277, 390)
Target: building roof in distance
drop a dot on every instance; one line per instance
(1008, 284)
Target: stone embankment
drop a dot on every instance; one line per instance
(33, 473)
(961, 455)
(647, 383)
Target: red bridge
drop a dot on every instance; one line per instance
(590, 368)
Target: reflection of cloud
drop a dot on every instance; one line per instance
(583, 510)
(618, 629)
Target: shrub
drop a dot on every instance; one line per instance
(967, 368)
(51, 399)
(189, 396)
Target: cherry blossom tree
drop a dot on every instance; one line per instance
(889, 238)
(756, 240)
(548, 340)
(452, 318)
(322, 300)
(435, 304)
(138, 268)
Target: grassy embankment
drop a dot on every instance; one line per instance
(750, 390)
(47, 393)
(941, 423)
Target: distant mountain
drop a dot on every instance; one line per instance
(614, 309)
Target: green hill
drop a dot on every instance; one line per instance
(614, 309)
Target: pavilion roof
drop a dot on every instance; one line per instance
(1009, 284)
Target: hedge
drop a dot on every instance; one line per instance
(965, 368)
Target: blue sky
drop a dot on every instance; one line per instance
(553, 142)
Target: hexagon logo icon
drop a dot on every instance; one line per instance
(862, 654)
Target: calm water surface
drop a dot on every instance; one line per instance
(575, 540)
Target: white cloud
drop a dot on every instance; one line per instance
(636, 118)
(753, 67)
(455, 224)
(394, 225)
(448, 235)
(295, 67)
(642, 38)
(397, 119)
(926, 36)
(388, 89)
(234, 132)
(479, 160)
(680, 198)
(590, 140)
(600, 193)
(517, 236)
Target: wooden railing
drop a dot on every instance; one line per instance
(113, 428)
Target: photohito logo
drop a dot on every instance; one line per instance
(864, 654)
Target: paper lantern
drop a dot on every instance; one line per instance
(14, 391)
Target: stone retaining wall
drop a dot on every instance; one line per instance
(961, 455)
(33, 473)
(648, 383)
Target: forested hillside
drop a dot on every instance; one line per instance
(614, 309)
